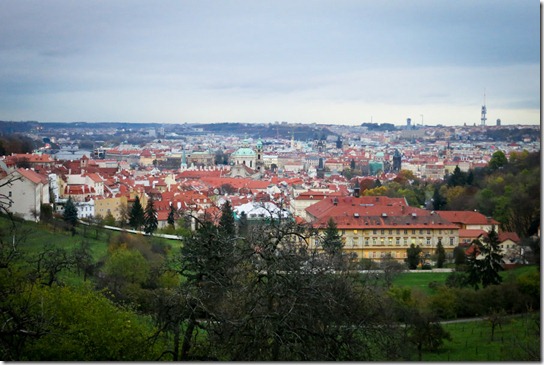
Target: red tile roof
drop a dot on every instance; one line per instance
(466, 217)
(33, 176)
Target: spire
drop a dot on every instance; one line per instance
(183, 160)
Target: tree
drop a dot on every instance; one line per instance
(270, 298)
(459, 258)
(46, 213)
(124, 272)
(485, 261)
(412, 256)
(332, 241)
(458, 178)
(171, 220)
(243, 224)
(136, 215)
(492, 259)
(83, 259)
(124, 215)
(70, 213)
(391, 269)
(498, 160)
(425, 332)
(109, 219)
(151, 221)
(440, 254)
(226, 222)
(79, 324)
(438, 199)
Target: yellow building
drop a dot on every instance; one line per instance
(375, 227)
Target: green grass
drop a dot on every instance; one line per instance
(33, 236)
(421, 280)
(471, 341)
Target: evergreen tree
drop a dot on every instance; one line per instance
(458, 178)
(459, 257)
(485, 269)
(226, 223)
(470, 178)
(412, 256)
(332, 241)
(438, 199)
(440, 254)
(492, 259)
(151, 221)
(70, 213)
(136, 215)
(171, 220)
(243, 225)
(473, 265)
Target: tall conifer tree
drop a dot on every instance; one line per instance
(151, 221)
(70, 213)
(136, 215)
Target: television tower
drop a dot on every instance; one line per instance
(484, 112)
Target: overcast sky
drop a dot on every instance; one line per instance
(323, 61)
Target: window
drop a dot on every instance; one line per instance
(420, 231)
(398, 241)
(405, 231)
(390, 241)
(413, 231)
(9, 194)
(452, 240)
(366, 241)
(390, 231)
(428, 241)
(398, 231)
(428, 231)
(375, 231)
(383, 231)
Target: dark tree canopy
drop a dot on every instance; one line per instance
(412, 256)
(151, 221)
(227, 225)
(70, 213)
(332, 241)
(136, 214)
(171, 220)
(440, 254)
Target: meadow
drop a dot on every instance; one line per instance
(516, 339)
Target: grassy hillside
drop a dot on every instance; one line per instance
(517, 339)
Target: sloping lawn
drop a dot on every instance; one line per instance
(517, 339)
(420, 280)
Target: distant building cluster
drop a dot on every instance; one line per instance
(309, 181)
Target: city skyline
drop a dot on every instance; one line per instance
(344, 62)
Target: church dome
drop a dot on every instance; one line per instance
(244, 151)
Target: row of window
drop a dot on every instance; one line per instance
(374, 241)
(398, 231)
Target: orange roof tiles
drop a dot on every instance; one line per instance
(466, 217)
(33, 176)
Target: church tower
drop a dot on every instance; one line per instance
(259, 163)
(397, 161)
